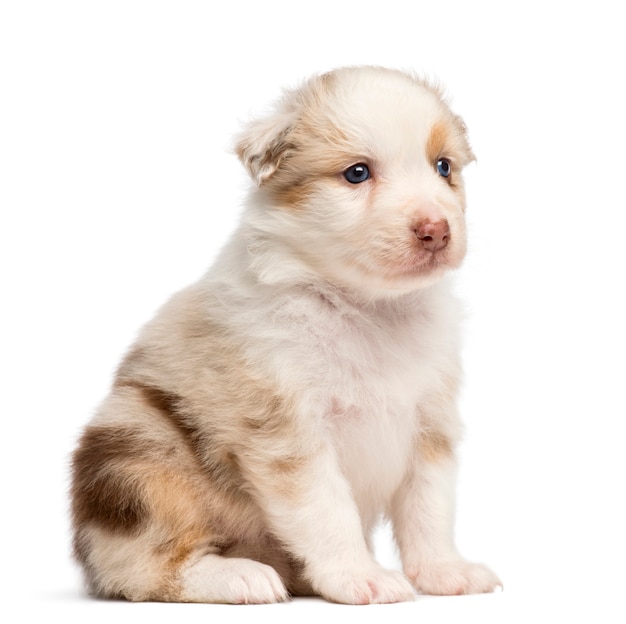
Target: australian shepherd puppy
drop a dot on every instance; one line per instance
(270, 414)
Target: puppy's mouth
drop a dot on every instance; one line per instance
(424, 262)
(416, 258)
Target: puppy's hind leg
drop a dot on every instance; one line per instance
(146, 525)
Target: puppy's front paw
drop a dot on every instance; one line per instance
(374, 585)
(454, 578)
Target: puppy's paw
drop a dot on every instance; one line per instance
(234, 581)
(374, 585)
(454, 578)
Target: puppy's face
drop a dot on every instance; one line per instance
(360, 171)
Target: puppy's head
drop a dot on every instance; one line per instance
(359, 177)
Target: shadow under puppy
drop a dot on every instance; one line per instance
(269, 414)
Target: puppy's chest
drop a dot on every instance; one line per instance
(368, 378)
(359, 371)
(360, 376)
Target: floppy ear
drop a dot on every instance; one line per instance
(264, 144)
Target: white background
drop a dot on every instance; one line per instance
(117, 188)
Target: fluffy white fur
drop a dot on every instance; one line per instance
(272, 413)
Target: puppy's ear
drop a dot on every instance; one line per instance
(265, 143)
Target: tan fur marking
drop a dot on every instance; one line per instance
(437, 141)
(326, 158)
(294, 196)
(179, 514)
(267, 413)
(447, 139)
(289, 465)
(434, 446)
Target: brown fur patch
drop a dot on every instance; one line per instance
(434, 446)
(447, 139)
(311, 161)
(168, 404)
(437, 141)
(161, 400)
(271, 417)
(102, 492)
(289, 465)
(215, 459)
(295, 195)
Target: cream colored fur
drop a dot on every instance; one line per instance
(305, 387)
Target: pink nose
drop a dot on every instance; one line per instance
(434, 235)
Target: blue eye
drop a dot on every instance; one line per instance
(443, 167)
(357, 173)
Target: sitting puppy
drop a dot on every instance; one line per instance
(270, 414)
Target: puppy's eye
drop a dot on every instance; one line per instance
(443, 167)
(357, 173)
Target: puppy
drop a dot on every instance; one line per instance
(272, 413)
